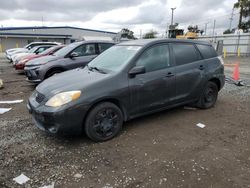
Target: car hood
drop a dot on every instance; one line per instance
(42, 60)
(14, 49)
(76, 79)
(31, 56)
(20, 56)
(21, 50)
(25, 56)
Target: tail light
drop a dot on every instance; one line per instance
(221, 60)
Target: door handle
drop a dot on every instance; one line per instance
(201, 67)
(169, 74)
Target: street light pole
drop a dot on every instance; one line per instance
(172, 18)
(231, 19)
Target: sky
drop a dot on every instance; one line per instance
(139, 16)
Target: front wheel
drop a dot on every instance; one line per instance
(103, 122)
(209, 96)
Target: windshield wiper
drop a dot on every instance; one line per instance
(95, 68)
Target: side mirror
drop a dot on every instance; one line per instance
(37, 52)
(73, 55)
(137, 70)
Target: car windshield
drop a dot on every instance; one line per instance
(65, 50)
(48, 50)
(115, 58)
(32, 50)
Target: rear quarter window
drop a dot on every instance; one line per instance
(207, 51)
(104, 46)
(185, 53)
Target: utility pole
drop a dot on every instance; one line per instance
(214, 27)
(42, 22)
(231, 19)
(172, 18)
(205, 32)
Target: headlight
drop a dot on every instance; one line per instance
(63, 98)
(24, 60)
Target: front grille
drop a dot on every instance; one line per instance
(39, 97)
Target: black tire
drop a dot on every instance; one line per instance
(103, 122)
(51, 73)
(209, 96)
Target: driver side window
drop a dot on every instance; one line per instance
(78, 50)
(84, 50)
(155, 58)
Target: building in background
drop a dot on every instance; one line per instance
(11, 37)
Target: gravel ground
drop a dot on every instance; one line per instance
(165, 149)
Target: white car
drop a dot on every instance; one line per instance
(10, 52)
(36, 50)
(9, 55)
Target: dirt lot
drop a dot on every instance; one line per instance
(166, 149)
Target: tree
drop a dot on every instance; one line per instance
(150, 35)
(244, 6)
(126, 33)
(228, 31)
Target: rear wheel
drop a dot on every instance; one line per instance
(103, 122)
(209, 96)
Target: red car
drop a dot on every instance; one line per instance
(21, 64)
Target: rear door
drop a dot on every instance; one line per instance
(190, 71)
(155, 88)
(86, 53)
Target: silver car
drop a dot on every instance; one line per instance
(75, 55)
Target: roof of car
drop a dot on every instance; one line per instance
(143, 42)
(41, 46)
(47, 42)
(95, 41)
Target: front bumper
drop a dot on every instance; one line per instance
(66, 120)
(33, 74)
(222, 79)
(8, 56)
(19, 66)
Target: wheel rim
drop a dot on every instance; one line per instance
(105, 123)
(209, 95)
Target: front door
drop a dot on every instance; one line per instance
(156, 87)
(86, 53)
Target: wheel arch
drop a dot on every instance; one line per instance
(53, 69)
(111, 100)
(216, 81)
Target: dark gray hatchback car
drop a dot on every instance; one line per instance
(75, 55)
(128, 80)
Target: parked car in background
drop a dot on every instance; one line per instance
(36, 50)
(75, 55)
(12, 51)
(128, 80)
(21, 63)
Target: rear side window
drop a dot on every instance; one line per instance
(207, 51)
(155, 58)
(185, 53)
(104, 46)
